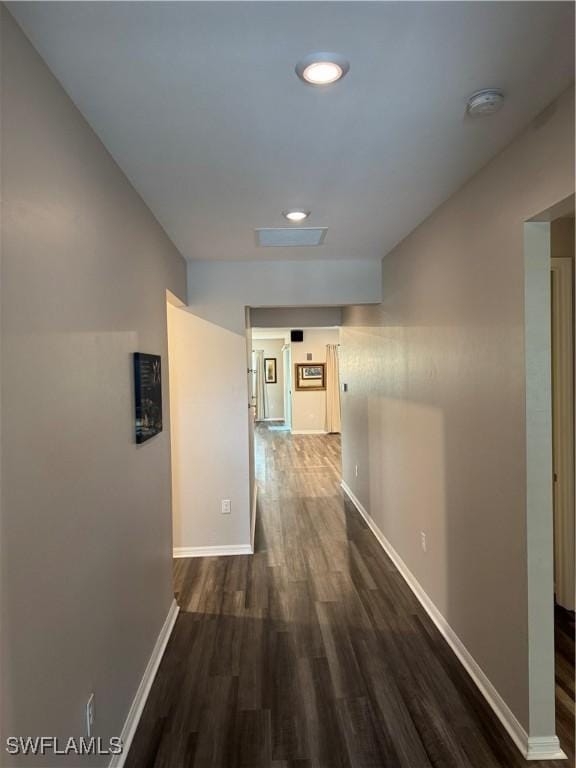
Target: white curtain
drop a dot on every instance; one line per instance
(261, 389)
(332, 389)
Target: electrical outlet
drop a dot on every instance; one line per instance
(423, 541)
(226, 506)
(90, 716)
(356, 470)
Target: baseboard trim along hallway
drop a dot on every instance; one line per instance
(254, 513)
(535, 748)
(308, 432)
(141, 696)
(217, 551)
(544, 748)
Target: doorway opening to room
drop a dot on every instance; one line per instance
(271, 378)
(295, 399)
(295, 383)
(550, 429)
(563, 478)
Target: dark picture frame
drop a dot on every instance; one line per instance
(270, 372)
(310, 377)
(147, 395)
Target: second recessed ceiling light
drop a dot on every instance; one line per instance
(322, 68)
(296, 215)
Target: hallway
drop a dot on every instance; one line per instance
(313, 652)
(186, 185)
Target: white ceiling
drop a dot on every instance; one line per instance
(200, 106)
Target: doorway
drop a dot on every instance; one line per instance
(562, 335)
(548, 335)
(270, 376)
(281, 408)
(284, 398)
(562, 306)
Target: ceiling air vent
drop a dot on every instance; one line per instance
(289, 237)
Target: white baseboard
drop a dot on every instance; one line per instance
(542, 748)
(217, 551)
(254, 511)
(141, 696)
(308, 431)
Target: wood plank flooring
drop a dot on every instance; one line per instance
(564, 637)
(313, 653)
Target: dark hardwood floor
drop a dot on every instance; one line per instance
(313, 652)
(564, 637)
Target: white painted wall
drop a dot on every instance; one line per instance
(436, 412)
(309, 408)
(86, 547)
(210, 440)
(273, 348)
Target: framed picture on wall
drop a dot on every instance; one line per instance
(310, 376)
(147, 395)
(270, 376)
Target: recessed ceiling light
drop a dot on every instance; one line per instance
(485, 102)
(322, 68)
(296, 215)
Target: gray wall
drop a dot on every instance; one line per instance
(296, 317)
(435, 413)
(86, 526)
(562, 238)
(219, 291)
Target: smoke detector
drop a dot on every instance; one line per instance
(485, 102)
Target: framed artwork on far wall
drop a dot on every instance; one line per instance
(310, 377)
(147, 395)
(270, 376)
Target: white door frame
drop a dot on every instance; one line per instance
(253, 490)
(563, 430)
(542, 741)
(287, 365)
